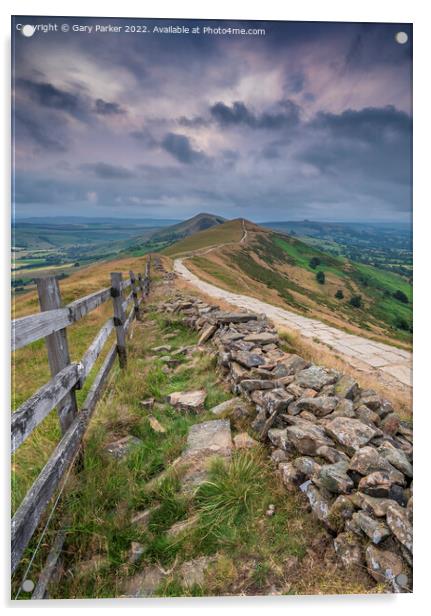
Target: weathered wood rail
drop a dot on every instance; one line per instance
(51, 323)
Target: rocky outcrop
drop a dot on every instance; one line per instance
(343, 446)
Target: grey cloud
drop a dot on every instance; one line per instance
(179, 147)
(370, 123)
(271, 151)
(47, 95)
(73, 103)
(372, 142)
(195, 122)
(286, 115)
(102, 107)
(264, 162)
(295, 82)
(106, 171)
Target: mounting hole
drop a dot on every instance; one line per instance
(402, 579)
(28, 585)
(401, 38)
(28, 30)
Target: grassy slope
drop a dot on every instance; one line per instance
(193, 225)
(30, 368)
(255, 554)
(230, 231)
(282, 264)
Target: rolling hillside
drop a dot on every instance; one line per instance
(200, 222)
(290, 273)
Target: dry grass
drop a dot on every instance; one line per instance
(30, 369)
(230, 231)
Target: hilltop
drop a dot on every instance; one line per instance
(227, 232)
(188, 227)
(288, 272)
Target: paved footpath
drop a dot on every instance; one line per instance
(361, 353)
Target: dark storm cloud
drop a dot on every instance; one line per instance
(369, 124)
(374, 142)
(179, 147)
(106, 171)
(47, 95)
(295, 123)
(195, 122)
(285, 116)
(106, 108)
(74, 104)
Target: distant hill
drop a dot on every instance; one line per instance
(286, 271)
(200, 222)
(225, 232)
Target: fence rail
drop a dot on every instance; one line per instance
(51, 323)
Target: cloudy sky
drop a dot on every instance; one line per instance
(310, 120)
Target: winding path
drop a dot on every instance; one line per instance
(361, 353)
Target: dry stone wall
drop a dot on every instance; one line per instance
(343, 446)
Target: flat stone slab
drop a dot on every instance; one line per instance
(235, 317)
(350, 433)
(208, 439)
(262, 338)
(188, 400)
(205, 442)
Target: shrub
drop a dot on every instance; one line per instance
(320, 277)
(356, 301)
(401, 296)
(403, 324)
(339, 294)
(314, 262)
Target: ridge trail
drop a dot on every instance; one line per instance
(360, 352)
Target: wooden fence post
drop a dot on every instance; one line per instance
(141, 286)
(119, 317)
(147, 276)
(134, 295)
(58, 351)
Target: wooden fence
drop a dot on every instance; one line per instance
(51, 323)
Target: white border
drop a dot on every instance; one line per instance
(416, 11)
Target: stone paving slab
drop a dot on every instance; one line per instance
(205, 441)
(376, 356)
